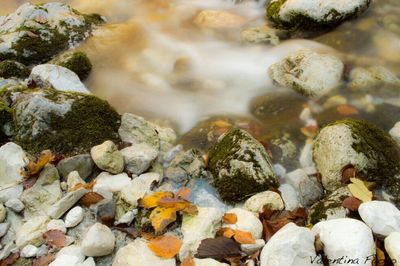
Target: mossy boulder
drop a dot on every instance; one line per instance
(240, 166)
(35, 33)
(13, 69)
(65, 122)
(370, 150)
(5, 122)
(313, 14)
(76, 61)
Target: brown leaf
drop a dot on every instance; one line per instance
(55, 238)
(151, 201)
(88, 186)
(351, 203)
(44, 260)
(10, 260)
(91, 198)
(226, 232)
(230, 218)
(129, 230)
(34, 168)
(29, 182)
(309, 131)
(349, 171)
(165, 247)
(184, 193)
(218, 248)
(162, 217)
(188, 261)
(347, 110)
(243, 237)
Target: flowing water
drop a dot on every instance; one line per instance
(152, 59)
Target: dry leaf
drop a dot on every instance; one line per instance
(309, 131)
(380, 256)
(10, 260)
(55, 238)
(151, 201)
(188, 261)
(34, 168)
(359, 190)
(351, 203)
(44, 260)
(349, 171)
(230, 218)
(88, 186)
(129, 230)
(162, 217)
(165, 247)
(29, 182)
(243, 237)
(184, 193)
(346, 110)
(218, 248)
(226, 232)
(91, 198)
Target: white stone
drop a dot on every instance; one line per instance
(395, 132)
(58, 77)
(3, 213)
(12, 161)
(65, 203)
(74, 179)
(251, 248)
(107, 157)
(208, 262)
(74, 217)
(362, 78)
(306, 158)
(289, 196)
(198, 227)
(4, 228)
(256, 203)
(57, 224)
(137, 253)
(113, 183)
(138, 187)
(246, 221)
(290, 246)
(98, 241)
(347, 238)
(15, 205)
(127, 218)
(69, 256)
(392, 246)
(139, 157)
(31, 230)
(381, 216)
(29, 251)
(308, 72)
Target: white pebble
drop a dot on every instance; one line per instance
(57, 225)
(29, 251)
(74, 217)
(15, 205)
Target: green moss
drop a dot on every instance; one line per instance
(318, 211)
(13, 69)
(5, 118)
(77, 62)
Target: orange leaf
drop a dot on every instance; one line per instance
(226, 232)
(151, 201)
(243, 237)
(91, 198)
(230, 218)
(347, 110)
(176, 203)
(184, 193)
(34, 168)
(165, 246)
(162, 217)
(88, 186)
(309, 131)
(188, 261)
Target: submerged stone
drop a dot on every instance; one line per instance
(240, 166)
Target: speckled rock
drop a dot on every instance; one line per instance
(270, 199)
(13, 69)
(246, 221)
(107, 157)
(308, 187)
(260, 34)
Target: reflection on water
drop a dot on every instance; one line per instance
(152, 60)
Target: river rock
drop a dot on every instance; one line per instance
(395, 132)
(82, 163)
(139, 157)
(347, 238)
(218, 19)
(308, 187)
(76, 61)
(113, 183)
(29, 251)
(369, 149)
(31, 232)
(208, 262)
(260, 34)
(107, 157)
(3, 213)
(270, 199)
(289, 196)
(392, 246)
(74, 217)
(73, 180)
(138, 187)
(291, 245)
(15, 205)
(98, 241)
(240, 166)
(307, 72)
(308, 15)
(4, 228)
(381, 216)
(137, 253)
(367, 78)
(252, 248)
(35, 33)
(186, 165)
(65, 203)
(246, 221)
(70, 255)
(57, 224)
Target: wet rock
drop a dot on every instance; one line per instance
(43, 194)
(76, 61)
(392, 246)
(65, 203)
(13, 69)
(74, 217)
(291, 245)
(5, 121)
(252, 248)
(138, 187)
(35, 33)
(57, 120)
(196, 228)
(387, 46)
(395, 132)
(372, 152)
(240, 166)
(218, 19)
(139, 157)
(57, 225)
(29, 251)
(260, 34)
(82, 163)
(308, 187)
(98, 241)
(270, 199)
(31, 232)
(246, 221)
(308, 15)
(382, 217)
(369, 78)
(330, 207)
(107, 157)
(309, 73)
(208, 262)
(113, 183)
(357, 236)
(15, 205)
(289, 196)
(137, 253)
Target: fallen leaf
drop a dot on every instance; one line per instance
(176, 203)
(162, 217)
(347, 110)
(359, 190)
(91, 198)
(188, 261)
(243, 237)
(165, 247)
(226, 232)
(230, 218)
(34, 168)
(218, 248)
(349, 171)
(55, 238)
(10, 260)
(309, 131)
(151, 201)
(129, 230)
(44, 260)
(29, 182)
(184, 193)
(351, 203)
(380, 257)
(88, 186)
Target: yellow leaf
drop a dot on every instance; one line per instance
(359, 190)
(151, 201)
(34, 168)
(162, 217)
(243, 237)
(230, 218)
(165, 246)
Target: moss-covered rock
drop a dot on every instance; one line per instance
(5, 121)
(75, 61)
(314, 14)
(240, 166)
(371, 151)
(13, 69)
(65, 122)
(35, 33)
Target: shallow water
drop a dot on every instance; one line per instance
(152, 60)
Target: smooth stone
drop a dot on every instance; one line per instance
(107, 157)
(270, 199)
(348, 238)
(113, 183)
(138, 253)
(65, 203)
(139, 157)
(105, 211)
(57, 224)
(290, 246)
(208, 262)
(29, 251)
(98, 241)
(127, 218)
(289, 196)
(246, 221)
(306, 157)
(392, 246)
(138, 187)
(82, 163)
(15, 205)
(395, 132)
(309, 189)
(4, 228)
(251, 248)
(74, 217)
(67, 256)
(381, 216)
(31, 232)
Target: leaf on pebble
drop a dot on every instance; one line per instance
(218, 248)
(359, 190)
(230, 218)
(226, 232)
(91, 198)
(184, 193)
(44, 260)
(55, 238)
(351, 203)
(243, 237)
(88, 186)
(165, 247)
(151, 201)
(162, 217)
(34, 168)
(188, 261)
